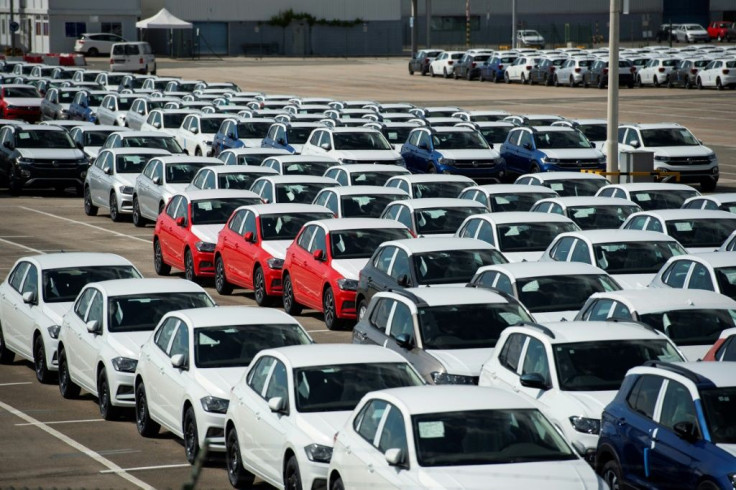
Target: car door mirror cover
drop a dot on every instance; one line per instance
(179, 361)
(405, 341)
(534, 380)
(157, 180)
(395, 457)
(277, 404)
(29, 298)
(180, 221)
(404, 281)
(93, 326)
(249, 237)
(686, 431)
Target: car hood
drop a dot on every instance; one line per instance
(694, 352)
(554, 316)
(465, 362)
(92, 151)
(128, 344)
(207, 233)
(276, 248)
(349, 268)
(126, 179)
(550, 475)
(701, 250)
(24, 101)
(218, 381)
(320, 427)
(366, 155)
(590, 403)
(55, 311)
(633, 281)
(51, 153)
(681, 151)
(297, 147)
(524, 256)
(576, 153)
(170, 190)
(470, 154)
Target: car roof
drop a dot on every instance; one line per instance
(654, 186)
(618, 235)
(720, 374)
(558, 176)
(234, 315)
(372, 167)
(520, 270)
(493, 189)
(327, 354)
(519, 217)
(421, 178)
(135, 151)
(569, 201)
(257, 151)
(649, 300)
(187, 159)
(138, 134)
(285, 208)
(447, 295)
(303, 158)
(299, 179)
(715, 259)
(432, 244)
(351, 190)
(441, 202)
(339, 224)
(126, 287)
(234, 169)
(591, 331)
(62, 260)
(697, 214)
(451, 398)
(201, 194)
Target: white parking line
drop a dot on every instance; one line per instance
(79, 447)
(145, 468)
(85, 224)
(20, 246)
(15, 384)
(63, 422)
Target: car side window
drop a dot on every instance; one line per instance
(331, 202)
(676, 274)
(728, 352)
(562, 248)
(700, 278)
(249, 223)
(485, 233)
(535, 360)
(401, 322)
(383, 259)
(16, 277)
(82, 304)
(171, 208)
(164, 334)
(580, 252)
(695, 204)
(94, 313)
(403, 216)
(236, 222)
(381, 312)
(278, 382)
(469, 229)
(319, 241)
(637, 223)
(30, 285)
(258, 375)
(305, 237)
(342, 177)
(598, 310)
(198, 180)
(632, 137)
(643, 395)
(180, 344)
(209, 181)
(158, 171)
(400, 266)
(393, 431)
(511, 351)
(366, 423)
(677, 406)
(526, 139)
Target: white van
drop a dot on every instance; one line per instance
(134, 57)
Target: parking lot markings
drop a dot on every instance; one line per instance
(14, 384)
(99, 228)
(146, 468)
(60, 421)
(20, 246)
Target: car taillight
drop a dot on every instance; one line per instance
(577, 70)
(81, 41)
(661, 69)
(605, 71)
(725, 72)
(450, 62)
(551, 68)
(472, 65)
(693, 70)
(632, 69)
(112, 61)
(500, 67)
(426, 61)
(528, 67)
(140, 61)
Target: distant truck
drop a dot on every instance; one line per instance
(722, 30)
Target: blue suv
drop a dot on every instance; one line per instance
(452, 150)
(549, 148)
(289, 136)
(494, 68)
(671, 425)
(240, 133)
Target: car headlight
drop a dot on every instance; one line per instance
(214, 404)
(208, 143)
(441, 378)
(81, 161)
(318, 453)
(347, 284)
(347, 160)
(446, 161)
(10, 106)
(24, 160)
(205, 247)
(602, 160)
(586, 425)
(125, 189)
(732, 479)
(124, 364)
(274, 263)
(661, 158)
(54, 331)
(712, 157)
(550, 160)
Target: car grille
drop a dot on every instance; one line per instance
(474, 163)
(689, 160)
(49, 164)
(570, 163)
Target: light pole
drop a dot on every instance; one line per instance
(513, 24)
(612, 108)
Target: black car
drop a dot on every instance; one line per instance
(40, 157)
(469, 66)
(665, 33)
(544, 72)
(598, 74)
(421, 60)
(685, 73)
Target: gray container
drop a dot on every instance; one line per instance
(636, 161)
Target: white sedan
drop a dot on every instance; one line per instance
(191, 362)
(285, 412)
(101, 336)
(718, 74)
(197, 131)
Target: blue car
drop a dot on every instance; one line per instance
(289, 136)
(531, 149)
(240, 133)
(85, 104)
(452, 150)
(493, 69)
(671, 426)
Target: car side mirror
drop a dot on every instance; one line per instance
(8, 145)
(29, 298)
(281, 141)
(107, 170)
(318, 254)
(249, 237)
(180, 221)
(157, 180)
(424, 146)
(404, 281)
(93, 326)
(194, 130)
(686, 431)
(179, 361)
(157, 125)
(405, 341)
(534, 380)
(231, 135)
(80, 145)
(325, 146)
(528, 146)
(395, 457)
(277, 404)
(635, 144)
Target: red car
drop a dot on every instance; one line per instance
(20, 102)
(722, 30)
(251, 248)
(725, 347)
(322, 265)
(186, 232)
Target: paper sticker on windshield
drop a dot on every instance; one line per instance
(684, 226)
(556, 187)
(431, 430)
(643, 197)
(205, 206)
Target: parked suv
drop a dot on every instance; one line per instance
(671, 426)
(352, 145)
(421, 60)
(93, 44)
(529, 38)
(598, 74)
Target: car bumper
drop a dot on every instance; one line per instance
(204, 263)
(495, 172)
(125, 203)
(344, 303)
(211, 429)
(556, 167)
(31, 174)
(313, 474)
(121, 388)
(30, 115)
(273, 281)
(690, 173)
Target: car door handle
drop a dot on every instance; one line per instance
(516, 388)
(348, 450)
(258, 415)
(371, 469)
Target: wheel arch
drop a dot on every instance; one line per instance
(605, 454)
(288, 454)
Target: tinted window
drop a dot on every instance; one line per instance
(643, 396)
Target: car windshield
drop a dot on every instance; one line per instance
(360, 244)
(115, 78)
(156, 104)
(397, 136)
(173, 120)
(298, 193)
(701, 232)
(306, 168)
(65, 74)
(66, 96)
(495, 135)
(43, 139)
(131, 164)
(459, 140)
(560, 140)
(368, 206)
(217, 211)
(453, 266)
(253, 129)
(236, 345)
(182, 173)
(635, 257)
(237, 180)
(63, 285)
(139, 312)
(594, 132)
(719, 405)
(163, 142)
(668, 137)
(576, 187)
(287, 226)
(601, 365)
(370, 177)
(360, 140)
(691, 326)
(530, 237)
(467, 326)
(298, 135)
(21, 92)
(597, 217)
(442, 220)
(486, 437)
(94, 100)
(438, 189)
(124, 103)
(88, 76)
(664, 199)
(339, 387)
(515, 201)
(561, 293)
(95, 137)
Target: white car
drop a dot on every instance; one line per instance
(249, 156)
(692, 318)
(572, 370)
(566, 183)
(162, 177)
(718, 73)
(37, 292)
(164, 120)
(299, 164)
(113, 109)
(101, 335)
(656, 71)
(520, 235)
(589, 212)
(453, 437)
(228, 177)
(91, 138)
(519, 70)
(444, 64)
(572, 71)
(352, 145)
(712, 271)
(189, 365)
(93, 44)
(108, 80)
(724, 201)
(143, 139)
(290, 188)
(141, 107)
(430, 185)
(594, 129)
(551, 291)
(110, 180)
(284, 414)
(501, 198)
(529, 38)
(651, 195)
(631, 257)
(364, 174)
(197, 131)
(358, 201)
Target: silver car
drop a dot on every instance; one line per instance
(691, 33)
(114, 108)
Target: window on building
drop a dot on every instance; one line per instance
(112, 28)
(75, 29)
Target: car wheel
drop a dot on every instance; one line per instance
(238, 476)
(655, 81)
(43, 375)
(138, 220)
(337, 484)
(6, 355)
(191, 437)
(92, 52)
(362, 308)
(571, 82)
(411, 70)
(161, 267)
(292, 478)
(67, 387)
(291, 307)
(506, 78)
(444, 73)
(557, 81)
(719, 84)
(495, 77)
(143, 422)
(330, 310)
(15, 186)
(669, 83)
(708, 185)
(221, 285)
(611, 474)
(600, 83)
(189, 273)
(469, 75)
(707, 485)
(198, 152)
(688, 84)
(535, 168)
(114, 213)
(699, 83)
(107, 410)
(259, 288)
(454, 74)
(638, 81)
(431, 169)
(89, 208)
(431, 72)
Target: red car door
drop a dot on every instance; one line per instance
(297, 258)
(228, 243)
(316, 269)
(249, 249)
(165, 229)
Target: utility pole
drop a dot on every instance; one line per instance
(12, 33)
(612, 121)
(513, 24)
(413, 26)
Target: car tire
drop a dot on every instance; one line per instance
(469, 75)
(495, 77)
(638, 81)
(454, 74)
(43, 375)
(708, 185)
(138, 219)
(329, 308)
(337, 484)
(189, 272)
(572, 83)
(556, 82)
(191, 436)
(688, 84)
(611, 474)
(161, 267)
(719, 84)
(292, 478)
(444, 73)
(114, 212)
(535, 168)
(506, 77)
(143, 421)
(600, 83)
(221, 285)
(431, 72)
(67, 387)
(7, 356)
(237, 475)
(291, 307)
(411, 71)
(523, 79)
(15, 187)
(708, 485)
(699, 83)
(362, 309)
(89, 208)
(198, 152)
(669, 83)
(259, 288)
(92, 52)
(655, 81)
(107, 410)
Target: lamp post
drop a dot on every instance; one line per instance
(612, 107)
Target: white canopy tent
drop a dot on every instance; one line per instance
(164, 20)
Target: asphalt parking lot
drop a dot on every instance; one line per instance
(48, 441)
